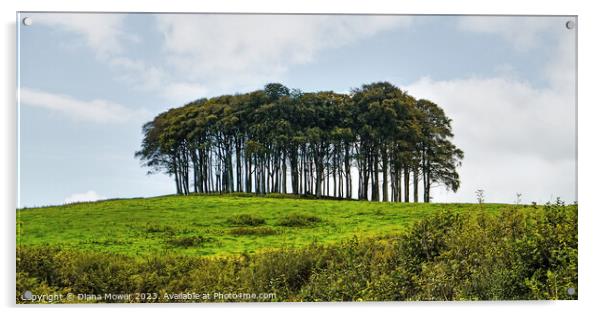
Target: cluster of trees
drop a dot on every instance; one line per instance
(377, 140)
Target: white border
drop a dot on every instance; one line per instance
(588, 121)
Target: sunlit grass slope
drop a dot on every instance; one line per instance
(216, 225)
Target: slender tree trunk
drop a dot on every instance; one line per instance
(195, 170)
(206, 174)
(366, 180)
(416, 180)
(348, 180)
(210, 171)
(284, 185)
(406, 184)
(326, 177)
(427, 189)
(340, 179)
(276, 185)
(399, 183)
(176, 176)
(385, 175)
(295, 173)
(392, 179)
(376, 181)
(249, 177)
(425, 178)
(319, 171)
(365, 171)
(238, 165)
(264, 179)
(303, 189)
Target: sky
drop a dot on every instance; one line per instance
(88, 82)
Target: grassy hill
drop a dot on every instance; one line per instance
(212, 225)
(295, 250)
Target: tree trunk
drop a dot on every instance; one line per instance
(406, 183)
(375, 183)
(318, 179)
(238, 166)
(385, 176)
(284, 189)
(416, 180)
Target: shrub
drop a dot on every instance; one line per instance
(155, 228)
(188, 241)
(298, 220)
(166, 230)
(262, 231)
(246, 220)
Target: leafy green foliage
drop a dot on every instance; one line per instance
(263, 231)
(188, 241)
(246, 220)
(251, 143)
(298, 220)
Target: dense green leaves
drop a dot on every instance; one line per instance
(280, 141)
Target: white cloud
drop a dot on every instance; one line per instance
(526, 33)
(212, 53)
(182, 92)
(226, 51)
(137, 73)
(516, 138)
(499, 113)
(99, 111)
(103, 32)
(237, 42)
(562, 72)
(84, 197)
(153, 78)
(522, 32)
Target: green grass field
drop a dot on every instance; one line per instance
(211, 225)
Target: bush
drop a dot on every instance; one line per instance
(262, 231)
(246, 220)
(188, 241)
(155, 228)
(298, 220)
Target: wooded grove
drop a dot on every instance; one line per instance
(377, 141)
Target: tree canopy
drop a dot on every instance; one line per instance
(378, 140)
